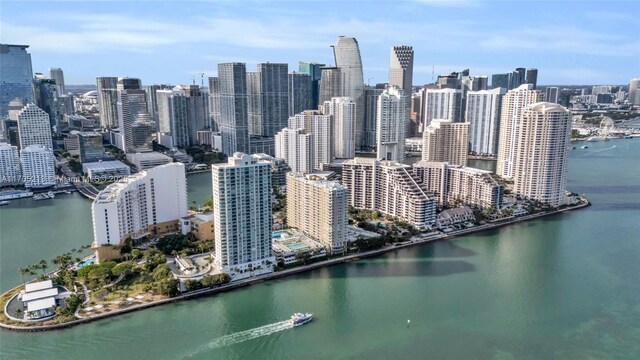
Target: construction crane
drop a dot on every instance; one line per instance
(201, 79)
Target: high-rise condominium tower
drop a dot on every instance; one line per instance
(57, 75)
(268, 101)
(34, 127)
(314, 71)
(134, 121)
(391, 124)
(242, 214)
(234, 123)
(343, 110)
(542, 141)
(513, 104)
(401, 68)
(401, 75)
(532, 77)
(483, 116)
(45, 97)
(552, 94)
(318, 208)
(634, 91)
(108, 101)
(348, 60)
(214, 103)
(10, 171)
(38, 166)
(389, 187)
(15, 67)
(172, 118)
(295, 146)
(366, 139)
(300, 93)
(151, 201)
(320, 126)
(446, 141)
(442, 104)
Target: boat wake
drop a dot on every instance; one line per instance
(605, 149)
(244, 336)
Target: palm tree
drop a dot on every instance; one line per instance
(24, 271)
(42, 265)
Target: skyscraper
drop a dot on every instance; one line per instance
(152, 102)
(543, 136)
(483, 116)
(320, 126)
(318, 208)
(391, 124)
(108, 101)
(10, 171)
(314, 70)
(234, 125)
(45, 93)
(390, 188)
(442, 104)
(500, 80)
(268, 102)
(172, 118)
(34, 127)
(446, 141)
(242, 215)
(330, 84)
(295, 146)
(214, 103)
(38, 166)
(532, 77)
(197, 111)
(300, 93)
(513, 103)
(134, 121)
(151, 201)
(552, 94)
(343, 110)
(401, 75)
(348, 60)
(15, 67)
(366, 139)
(401, 68)
(634, 91)
(57, 75)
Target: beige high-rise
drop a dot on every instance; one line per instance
(542, 150)
(513, 104)
(318, 208)
(446, 141)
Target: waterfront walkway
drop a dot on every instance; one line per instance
(419, 239)
(87, 190)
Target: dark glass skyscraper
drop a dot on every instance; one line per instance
(16, 72)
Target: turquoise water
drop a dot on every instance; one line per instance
(562, 287)
(85, 263)
(297, 246)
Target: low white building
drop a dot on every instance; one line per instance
(38, 166)
(39, 300)
(455, 216)
(143, 161)
(106, 170)
(291, 246)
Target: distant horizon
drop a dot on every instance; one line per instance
(168, 42)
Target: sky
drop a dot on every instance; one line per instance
(172, 42)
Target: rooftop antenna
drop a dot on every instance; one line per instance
(202, 79)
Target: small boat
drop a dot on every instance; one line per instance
(3, 203)
(14, 194)
(584, 147)
(44, 196)
(298, 319)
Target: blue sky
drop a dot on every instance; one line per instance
(570, 42)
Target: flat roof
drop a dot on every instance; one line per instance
(105, 165)
(46, 303)
(149, 156)
(40, 294)
(36, 286)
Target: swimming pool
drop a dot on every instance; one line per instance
(297, 246)
(85, 263)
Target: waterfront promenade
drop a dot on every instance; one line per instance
(416, 240)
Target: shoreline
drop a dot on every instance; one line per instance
(417, 240)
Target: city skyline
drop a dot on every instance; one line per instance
(72, 36)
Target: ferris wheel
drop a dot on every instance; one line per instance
(606, 125)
